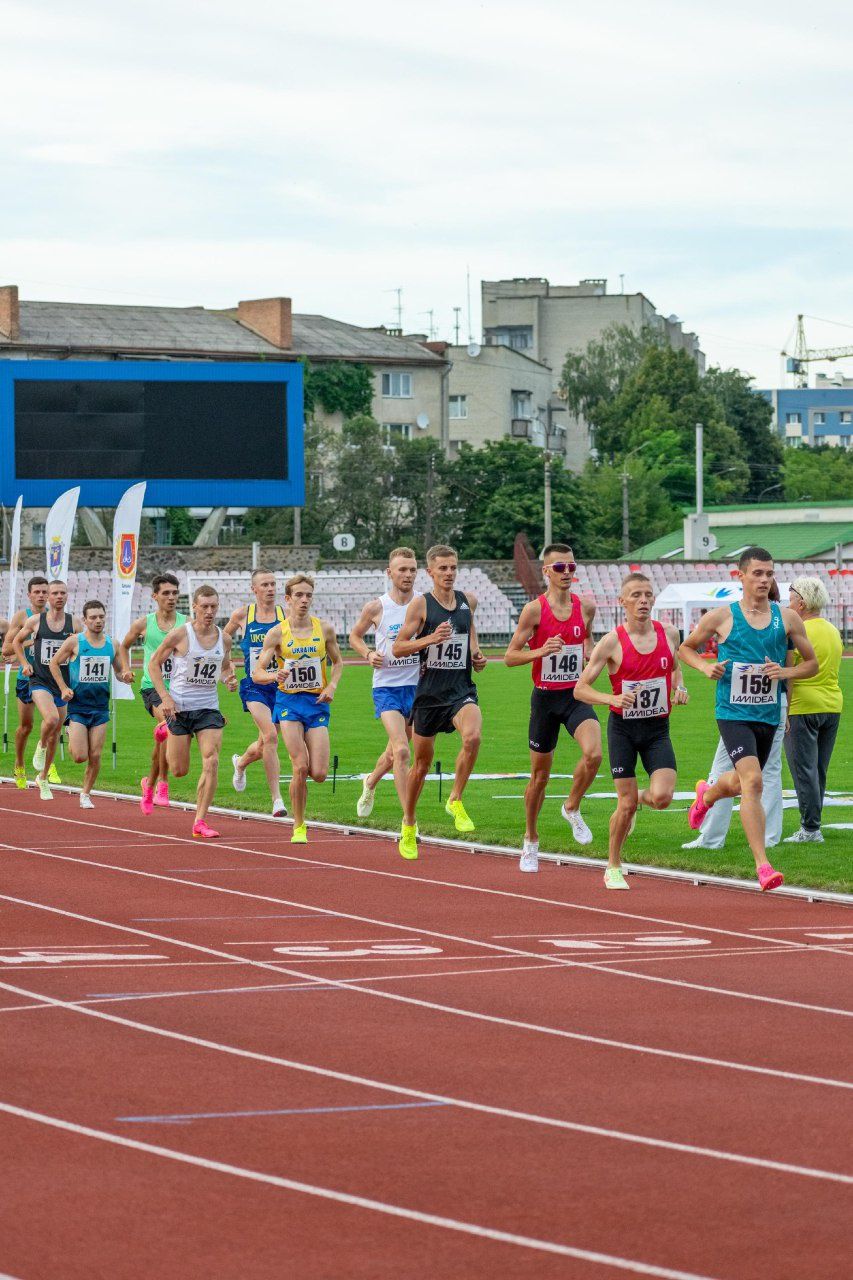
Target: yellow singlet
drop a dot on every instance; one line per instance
(305, 659)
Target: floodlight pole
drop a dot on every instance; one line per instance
(699, 469)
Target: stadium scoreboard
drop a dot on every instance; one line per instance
(199, 433)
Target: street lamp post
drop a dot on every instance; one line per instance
(626, 515)
(550, 410)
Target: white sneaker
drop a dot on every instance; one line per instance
(278, 808)
(38, 758)
(580, 830)
(695, 844)
(45, 792)
(804, 837)
(364, 808)
(238, 780)
(529, 860)
(86, 801)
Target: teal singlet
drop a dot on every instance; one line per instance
(744, 692)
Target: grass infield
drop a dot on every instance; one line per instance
(496, 805)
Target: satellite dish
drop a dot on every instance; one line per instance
(474, 349)
(422, 421)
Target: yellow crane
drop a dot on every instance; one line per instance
(803, 354)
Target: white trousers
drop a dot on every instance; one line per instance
(715, 828)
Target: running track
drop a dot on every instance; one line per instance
(247, 1060)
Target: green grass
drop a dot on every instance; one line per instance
(504, 695)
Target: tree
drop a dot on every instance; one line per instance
(420, 482)
(339, 387)
(751, 416)
(819, 474)
(651, 513)
(593, 378)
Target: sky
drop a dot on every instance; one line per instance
(197, 152)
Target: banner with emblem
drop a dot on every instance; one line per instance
(14, 554)
(58, 532)
(125, 553)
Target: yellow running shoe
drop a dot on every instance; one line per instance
(456, 809)
(300, 835)
(408, 842)
(53, 776)
(20, 777)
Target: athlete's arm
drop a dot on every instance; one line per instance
(15, 623)
(680, 696)
(588, 611)
(332, 651)
(603, 653)
(706, 628)
(479, 661)
(169, 645)
(272, 645)
(121, 668)
(517, 653)
(405, 645)
(236, 623)
(227, 674)
(802, 644)
(64, 654)
(368, 618)
(22, 635)
(134, 635)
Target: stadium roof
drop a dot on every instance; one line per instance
(798, 541)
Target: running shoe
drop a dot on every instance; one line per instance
(364, 808)
(408, 843)
(53, 776)
(456, 810)
(278, 808)
(238, 779)
(529, 860)
(38, 758)
(799, 837)
(201, 831)
(146, 802)
(698, 810)
(580, 830)
(698, 843)
(45, 792)
(20, 777)
(86, 801)
(614, 879)
(161, 794)
(768, 878)
(300, 834)
(161, 732)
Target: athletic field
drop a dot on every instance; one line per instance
(495, 803)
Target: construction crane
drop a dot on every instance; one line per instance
(804, 354)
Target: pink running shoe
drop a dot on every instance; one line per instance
(146, 804)
(768, 878)
(698, 809)
(161, 733)
(161, 794)
(201, 831)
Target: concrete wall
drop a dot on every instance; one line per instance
(487, 381)
(194, 559)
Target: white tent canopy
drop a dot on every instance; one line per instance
(683, 597)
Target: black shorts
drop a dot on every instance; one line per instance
(743, 738)
(648, 739)
(150, 699)
(551, 708)
(187, 723)
(430, 718)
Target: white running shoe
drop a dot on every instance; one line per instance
(278, 808)
(529, 860)
(804, 837)
(238, 780)
(38, 758)
(364, 808)
(86, 801)
(698, 843)
(580, 830)
(45, 792)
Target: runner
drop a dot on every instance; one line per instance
(88, 659)
(439, 628)
(395, 680)
(37, 596)
(255, 620)
(752, 643)
(296, 657)
(200, 657)
(553, 633)
(641, 657)
(42, 635)
(152, 629)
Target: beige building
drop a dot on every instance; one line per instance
(546, 322)
(496, 393)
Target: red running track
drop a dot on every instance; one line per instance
(249, 1060)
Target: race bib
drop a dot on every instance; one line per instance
(651, 699)
(93, 670)
(49, 648)
(303, 675)
(255, 652)
(562, 666)
(448, 655)
(751, 686)
(202, 672)
(167, 667)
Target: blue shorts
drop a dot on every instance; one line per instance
(90, 717)
(252, 692)
(301, 707)
(395, 698)
(22, 690)
(46, 688)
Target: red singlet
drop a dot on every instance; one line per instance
(560, 670)
(649, 673)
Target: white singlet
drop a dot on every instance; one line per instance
(394, 671)
(195, 674)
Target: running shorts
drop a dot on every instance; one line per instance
(301, 708)
(628, 740)
(252, 692)
(400, 697)
(22, 690)
(187, 723)
(150, 699)
(90, 718)
(549, 709)
(430, 718)
(743, 738)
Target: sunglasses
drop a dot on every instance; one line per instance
(562, 566)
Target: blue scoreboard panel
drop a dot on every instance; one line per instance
(199, 433)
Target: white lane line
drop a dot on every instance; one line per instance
(330, 913)
(473, 1015)
(464, 1104)
(359, 1202)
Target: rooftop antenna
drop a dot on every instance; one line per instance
(621, 282)
(468, 286)
(456, 325)
(432, 329)
(399, 306)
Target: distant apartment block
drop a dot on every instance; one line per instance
(818, 415)
(496, 393)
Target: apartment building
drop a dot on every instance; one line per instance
(818, 415)
(497, 393)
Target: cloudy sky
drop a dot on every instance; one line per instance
(196, 151)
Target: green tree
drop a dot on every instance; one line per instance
(651, 513)
(339, 386)
(751, 416)
(423, 505)
(361, 497)
(820, 474)
(593, 378)
(182, 526)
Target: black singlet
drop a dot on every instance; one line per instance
(445, 672)
(48, 642)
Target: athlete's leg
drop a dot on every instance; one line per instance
(469, 725)
(159, 771)
(96, 738)
(23, 731)
(620, 819)
(397, 753)
(293, 733)
(424, 752)
(541, 763)
(658, 794)
(588, 737)
(52, 720)
(265, 747)
(318, 747)
(771, 796)
(178, 754)
(751, 810)
(78, 741)
(209, 745)
(716, 825)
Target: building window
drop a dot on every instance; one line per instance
(392, 431)
(791, 418)
(517, 336)
(522, 405)
(38, 535)
(845, 417)
(397, 386)
(820, 419)
(459, 406)
(794, 442)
